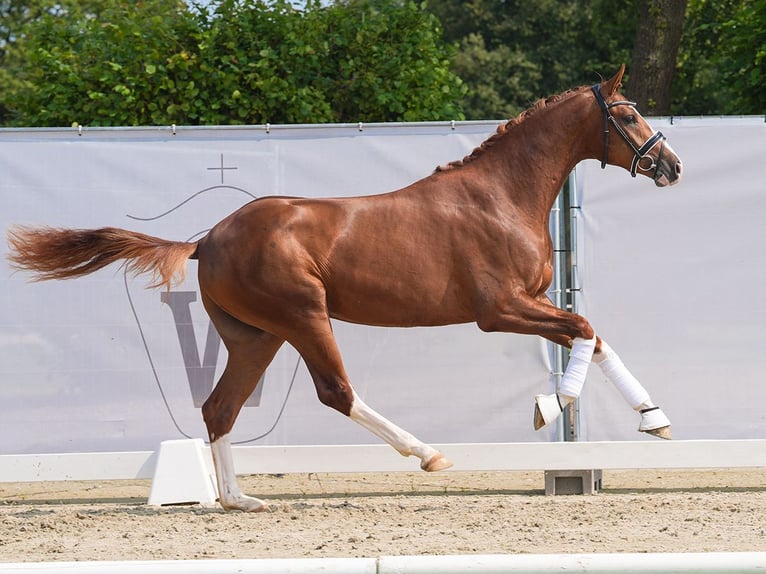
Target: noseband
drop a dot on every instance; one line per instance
(639, 153)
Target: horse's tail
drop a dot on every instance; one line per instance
(64, 253)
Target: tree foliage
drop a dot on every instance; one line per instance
(16, 18)
(356, 60)
(150, 62)
(512, 52)
(722, 60)
(130, 62)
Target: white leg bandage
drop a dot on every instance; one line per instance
(577, 368)
(614, 369)
(549, 407)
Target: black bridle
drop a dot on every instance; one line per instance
(639, 153)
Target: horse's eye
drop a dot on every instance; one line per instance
(630, 119)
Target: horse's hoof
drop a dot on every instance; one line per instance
(662, 432)
(539, 421)
(547, 409)
(245, 504)
(436, 462)
(655, 423)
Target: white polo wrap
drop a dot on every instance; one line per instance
(614, 369)
(577, 368)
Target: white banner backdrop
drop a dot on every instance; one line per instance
(102, 364)
(671, 278)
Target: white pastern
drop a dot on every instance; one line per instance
(228, 489)
(401, 440)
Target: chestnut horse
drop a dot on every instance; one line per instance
(469, 243)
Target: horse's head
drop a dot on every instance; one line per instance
(637, 147)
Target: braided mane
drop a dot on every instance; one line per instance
(503, 128)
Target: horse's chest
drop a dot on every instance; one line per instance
(530, 259)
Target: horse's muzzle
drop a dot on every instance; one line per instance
(669, 167)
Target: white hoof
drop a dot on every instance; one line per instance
(654, 422)
(547, 409)
(435, 463)
(244, 503)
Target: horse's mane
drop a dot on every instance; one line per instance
(503, 128)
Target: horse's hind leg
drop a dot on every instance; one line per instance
(250, 352)
(431, 459)
(319, 350)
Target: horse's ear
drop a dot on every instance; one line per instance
(612, 85)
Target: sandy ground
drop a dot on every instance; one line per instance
(372, 515)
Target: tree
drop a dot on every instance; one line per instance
(157, 62)
(389, 61)
(721, 65)
(15, 18)
(511, 52)
(743, 57)
(658, 36)
(355, 60)
(118, 63)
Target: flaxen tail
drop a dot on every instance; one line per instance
(64, 253)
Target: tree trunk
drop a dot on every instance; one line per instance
(653, 65)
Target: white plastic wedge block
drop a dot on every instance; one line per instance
(183, 474)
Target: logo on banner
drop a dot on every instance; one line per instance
(200, 374)
(200, 367)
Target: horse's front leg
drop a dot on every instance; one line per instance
(653, 420)
(538, 315)
(518, 312)
(549, 407)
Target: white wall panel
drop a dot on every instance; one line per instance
(673, 279)
(670, 277)
(84, 364)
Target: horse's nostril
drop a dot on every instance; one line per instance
(679, 168)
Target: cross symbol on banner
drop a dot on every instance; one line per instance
(221, 168)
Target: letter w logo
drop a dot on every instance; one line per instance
(200, 374)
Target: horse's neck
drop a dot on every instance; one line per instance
(533, 159)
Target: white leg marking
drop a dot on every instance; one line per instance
(228, 489)
(401, 440)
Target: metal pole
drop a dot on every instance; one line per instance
(565, 288)
(572, 284)
(557, 293)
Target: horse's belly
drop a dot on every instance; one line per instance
(401, 306)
